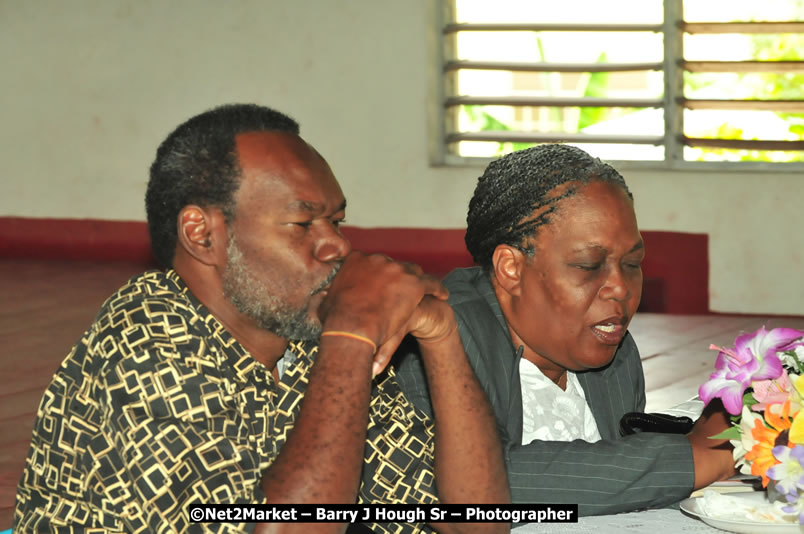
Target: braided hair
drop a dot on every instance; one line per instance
(197, 164)
(521, 191)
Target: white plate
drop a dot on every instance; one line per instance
(745, 526)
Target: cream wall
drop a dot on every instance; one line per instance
(90, 87)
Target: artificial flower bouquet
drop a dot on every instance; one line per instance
(761, 384)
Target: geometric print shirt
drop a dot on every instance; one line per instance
(158, 407)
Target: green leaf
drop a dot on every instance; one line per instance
(797, 129)
(596, 86)
(730, 433)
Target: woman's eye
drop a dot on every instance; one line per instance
(304, 224)
(588, 266)
(633, 263)
(338, 222)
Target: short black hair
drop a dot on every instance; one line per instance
(518, 184)
(197, 164)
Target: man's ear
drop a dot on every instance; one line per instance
(506, 263)
(202, 234)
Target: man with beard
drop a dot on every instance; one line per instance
(252, 370)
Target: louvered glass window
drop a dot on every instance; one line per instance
(628, 80)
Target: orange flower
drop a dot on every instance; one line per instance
(781, 421)
(761, 456)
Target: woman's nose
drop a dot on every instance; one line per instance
(615, 286)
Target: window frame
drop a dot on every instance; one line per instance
(441, 115)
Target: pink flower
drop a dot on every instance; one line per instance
(753, 358)
(768, 392)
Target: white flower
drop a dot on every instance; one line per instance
(746, 441)
(792, 362)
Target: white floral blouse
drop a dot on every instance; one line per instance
(553, 414)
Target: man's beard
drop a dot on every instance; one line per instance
(251, 298)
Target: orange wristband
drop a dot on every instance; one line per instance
(358, 337)
(442, 338)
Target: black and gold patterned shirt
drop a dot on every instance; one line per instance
(158, 407)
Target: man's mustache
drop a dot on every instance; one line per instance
(328, 280)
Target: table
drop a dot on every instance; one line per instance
(665, 520)
(675, 350)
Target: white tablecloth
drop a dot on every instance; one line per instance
(650, 521)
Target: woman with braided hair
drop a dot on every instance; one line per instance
(544, 320)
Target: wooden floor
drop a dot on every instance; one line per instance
(45, 306)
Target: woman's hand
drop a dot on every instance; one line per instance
(712, 458)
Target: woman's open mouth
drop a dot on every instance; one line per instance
(610, 331)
